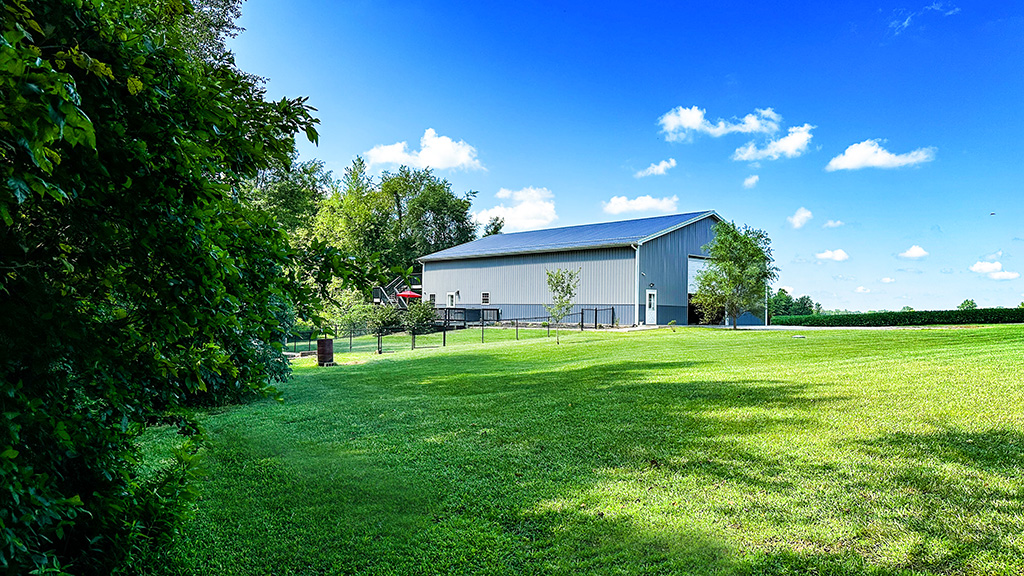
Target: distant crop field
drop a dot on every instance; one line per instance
(697, 451)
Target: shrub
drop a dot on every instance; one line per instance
(916, 318)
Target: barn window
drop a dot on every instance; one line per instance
(432, 298)
(485, 298)
(451, 299)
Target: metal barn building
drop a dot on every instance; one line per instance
(643, 268)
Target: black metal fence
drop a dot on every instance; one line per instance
(452, 326)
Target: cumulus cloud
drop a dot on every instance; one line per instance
(838, 255)
(531, 208)
(914, 252)
(888, 280)
(993, 270)
(656, 169)
(439, 152)
(792, 145)
(862, 290)
(682, 123)
(789, 289)
(870, 154)
(620, 204)
(994, 256)
(833, 224)
(751, 181)
(800, 218)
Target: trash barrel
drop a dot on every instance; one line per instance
(325, 351)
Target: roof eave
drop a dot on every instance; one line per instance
(541, 250)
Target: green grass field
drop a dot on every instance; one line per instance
(690, 452)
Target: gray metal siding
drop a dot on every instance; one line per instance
(518, 283)
(663, 262)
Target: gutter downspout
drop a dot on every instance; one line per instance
(636, 285)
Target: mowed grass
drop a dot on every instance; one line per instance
(690, 452)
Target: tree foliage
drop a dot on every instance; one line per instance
(291, 193)
(968, 304)
(132, 282)
(563, 285)
(396, 219)
(782, 304)
(493, 226)
(737, 275)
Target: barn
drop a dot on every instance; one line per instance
(644, 269)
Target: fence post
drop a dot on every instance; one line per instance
(581, 319)
(380, 343)
(613, 316)
(516, 322)
(351, 329)
(444, 331)
(549, 326)
(481, 327)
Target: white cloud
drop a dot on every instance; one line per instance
(439, 152)
(800, 218)
(682, 123)
(838, 255)
(914, 252)
(902, 18)
(751, 181)
(833, 224)
(862, 290)
(620, 204)
(888, 280)
(533, 208)
(993, 270)
(792, 145)
(656, 169)
(789, 289)
(869, 154)
(994, 256)
(986, 267)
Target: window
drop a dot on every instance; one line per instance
(485, 298)
(432, 298)
(451, 299)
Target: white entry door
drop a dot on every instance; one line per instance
(651, 315)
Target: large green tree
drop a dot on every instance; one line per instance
(397, 218)
(132, 281)
(737, 275)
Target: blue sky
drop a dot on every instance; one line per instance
(873, 142)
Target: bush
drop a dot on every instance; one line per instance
(915, 318)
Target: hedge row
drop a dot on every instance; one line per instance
(916, 318)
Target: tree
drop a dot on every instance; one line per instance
(494, 226)
(780, 304)
(381, 320)
(737, 275)
(1021, 305)
(418, 317)
(968, 304)
(802, 306)
(563, 284)
(134, 283)
(291, 194)
(404, 215)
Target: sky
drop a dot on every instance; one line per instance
(878, 144)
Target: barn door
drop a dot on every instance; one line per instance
(651, 315)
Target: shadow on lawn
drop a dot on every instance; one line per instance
(514, 466)
(966, 489)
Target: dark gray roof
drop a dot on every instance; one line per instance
(605, 234)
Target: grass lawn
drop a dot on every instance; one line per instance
(689, 452)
